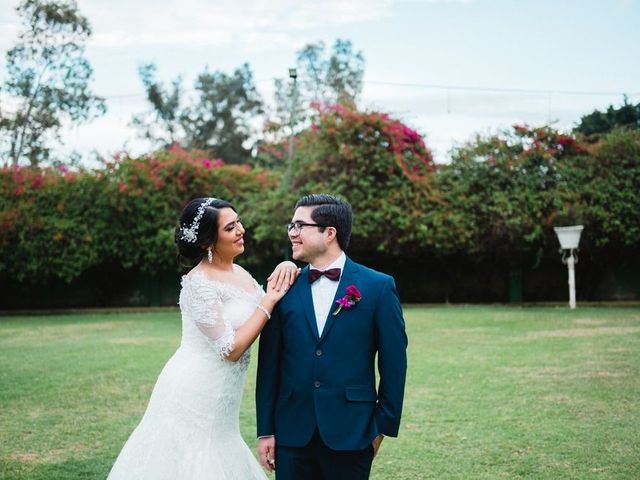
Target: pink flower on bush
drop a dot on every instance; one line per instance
(206, 162)
(565, 141)
(412, 135)
(37, 182)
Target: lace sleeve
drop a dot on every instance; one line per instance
(208, 314)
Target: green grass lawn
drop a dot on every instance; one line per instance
(492, 392)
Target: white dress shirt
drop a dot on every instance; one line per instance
(324, 290)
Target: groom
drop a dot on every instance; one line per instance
(319, 415)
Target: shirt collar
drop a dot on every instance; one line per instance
(337, 263)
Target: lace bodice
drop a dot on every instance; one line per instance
(211, 313)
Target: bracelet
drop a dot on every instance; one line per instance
(264, 310)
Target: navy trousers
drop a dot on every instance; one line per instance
(316, 461)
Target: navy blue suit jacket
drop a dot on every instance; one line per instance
(306, 381)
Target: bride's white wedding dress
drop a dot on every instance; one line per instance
(190, 429)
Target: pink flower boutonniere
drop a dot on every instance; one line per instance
(352, 297)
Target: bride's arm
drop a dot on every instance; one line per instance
(207, 306)
(249, 331)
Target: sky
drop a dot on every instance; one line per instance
(448, 68)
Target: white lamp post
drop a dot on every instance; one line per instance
(569, 238)
(293, 75)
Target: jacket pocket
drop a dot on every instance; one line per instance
(360, 393)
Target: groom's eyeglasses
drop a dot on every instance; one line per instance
(296, 227)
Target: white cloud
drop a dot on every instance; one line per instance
(198, 23)
(8, 35)
(436, 1)
(175, 38)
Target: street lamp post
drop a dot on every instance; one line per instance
(569, 238)
(293, 74)
(286, 181)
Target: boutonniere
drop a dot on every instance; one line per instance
(352, 297)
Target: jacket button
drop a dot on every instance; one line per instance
(318, 352)
(316, 384)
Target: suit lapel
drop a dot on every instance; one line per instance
(348, 277)
(307, 301)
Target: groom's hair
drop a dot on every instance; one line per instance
(332, 212)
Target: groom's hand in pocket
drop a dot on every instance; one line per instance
(267, 452)
(376, 444)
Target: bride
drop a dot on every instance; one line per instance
(190, 429)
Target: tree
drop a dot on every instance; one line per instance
(597, 122)
(218, 120)
(381, 166)
(163, 124)
(337, 79)
(608, 180)
(48, 80)
(322, 80)
(501, 194)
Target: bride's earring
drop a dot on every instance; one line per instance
(210, 255)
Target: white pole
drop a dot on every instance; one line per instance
(571, 262)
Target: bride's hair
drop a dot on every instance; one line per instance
(198, 228)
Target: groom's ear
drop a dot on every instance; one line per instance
(331, 233)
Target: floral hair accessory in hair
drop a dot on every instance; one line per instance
(352, 297)
(191, 234)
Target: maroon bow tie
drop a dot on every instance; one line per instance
(331, 274)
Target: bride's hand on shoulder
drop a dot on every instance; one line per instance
(273, 294)
(283, 276)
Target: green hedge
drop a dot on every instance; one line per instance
(492, 209)
(56, 224)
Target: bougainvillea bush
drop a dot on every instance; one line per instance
(52, 222)
(496, 201)
(380, 165)
(502, 193)
(57, 223)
